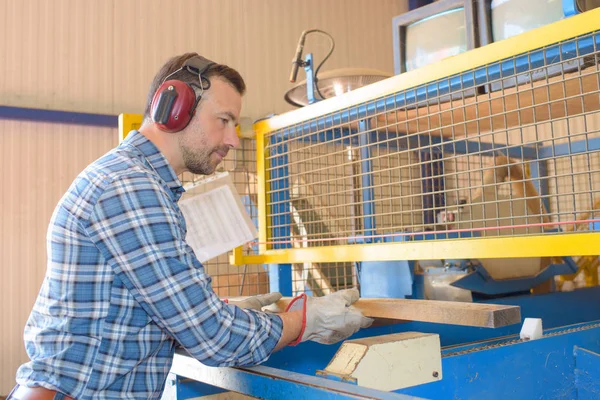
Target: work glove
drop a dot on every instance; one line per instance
(329, 319)
(256, 302)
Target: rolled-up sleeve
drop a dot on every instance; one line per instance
(137, 227)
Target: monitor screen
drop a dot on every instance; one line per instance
(512, 17)
(435, 38)
(586, 5)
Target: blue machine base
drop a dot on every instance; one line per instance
(545, 368)
(553, 367)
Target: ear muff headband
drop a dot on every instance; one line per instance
(175, 101)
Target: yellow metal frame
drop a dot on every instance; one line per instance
(128, 123)
(577, 244)
(262, 168)
(500, 247)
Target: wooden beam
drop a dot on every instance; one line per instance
(441, 312)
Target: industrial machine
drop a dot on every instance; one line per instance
(475, 179)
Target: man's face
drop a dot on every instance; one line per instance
(211, 132)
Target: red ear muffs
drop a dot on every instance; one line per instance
(173, 105)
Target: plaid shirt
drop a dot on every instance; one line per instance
(123, 288)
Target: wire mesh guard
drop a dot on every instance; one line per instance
(507, 149)
(231, 280)
(250, 279)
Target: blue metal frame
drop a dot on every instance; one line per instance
(387, 279)
(569, 148)
(465, 146)
(189, 388)
(280, 275)
(310, 79)
(392, 140)
(480, 281)
(271, 383)
(368, 193)
(280, 278)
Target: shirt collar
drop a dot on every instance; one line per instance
(156, 160)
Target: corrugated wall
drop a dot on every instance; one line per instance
(100, 56)
(38, 163)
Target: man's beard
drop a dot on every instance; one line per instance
(199, 161)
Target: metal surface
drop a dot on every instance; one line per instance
(270, 383)
(521, 163)
(543, 368)
(480, 280)
(587, 373)
(492, 364)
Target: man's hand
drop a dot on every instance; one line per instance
(331, 318)
(257, 302)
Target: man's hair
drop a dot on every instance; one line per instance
(223, 71)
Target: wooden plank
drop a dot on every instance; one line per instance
(441, 312)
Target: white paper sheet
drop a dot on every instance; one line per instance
(216, 223)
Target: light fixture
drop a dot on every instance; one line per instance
(334, 83)
(319, 86)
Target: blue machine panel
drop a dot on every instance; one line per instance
(398, 282)
(537, 369)
(587, 373)
(545, 368)
(555, 309)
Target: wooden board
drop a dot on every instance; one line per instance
(442, 312)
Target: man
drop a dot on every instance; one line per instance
(123, 288)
